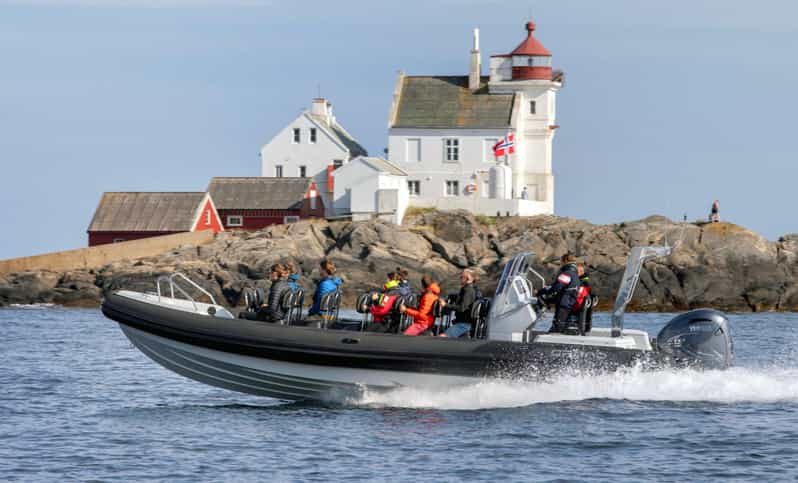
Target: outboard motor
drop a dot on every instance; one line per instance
(700, 338)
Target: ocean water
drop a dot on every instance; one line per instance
(79, 403)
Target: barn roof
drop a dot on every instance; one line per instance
(258, 193)
(447, 102)
(146, 211)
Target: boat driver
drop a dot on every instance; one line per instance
(563, 292)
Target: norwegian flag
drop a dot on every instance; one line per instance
(503, 146)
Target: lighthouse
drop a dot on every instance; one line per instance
(527, 73)
(442, 128)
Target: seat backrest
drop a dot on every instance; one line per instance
(287, 300)
(329, 305)
(364, 302)
(479, 312)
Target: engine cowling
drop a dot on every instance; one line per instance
(698, 338)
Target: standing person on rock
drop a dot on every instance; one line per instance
(714, 213)
(563, 292)
(329, 283)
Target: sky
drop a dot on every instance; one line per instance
(666, 106)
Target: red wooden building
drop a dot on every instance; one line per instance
(252, 203)
(134, 215)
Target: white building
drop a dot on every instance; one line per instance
(442, 130)
(368, 187)
(312, 145)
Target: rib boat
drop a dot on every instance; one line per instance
(206, 342)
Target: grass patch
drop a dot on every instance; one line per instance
(485, 220)
(418, 210)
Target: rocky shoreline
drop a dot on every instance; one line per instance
(717, 265)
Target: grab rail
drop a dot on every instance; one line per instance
(172, 285)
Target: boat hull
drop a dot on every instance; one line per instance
(297, 363)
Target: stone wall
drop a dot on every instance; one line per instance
(94, 257)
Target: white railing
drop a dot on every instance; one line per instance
(173, 285)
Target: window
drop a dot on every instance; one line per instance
(208, 217)
(313, 135)
(303, 172)
(337, 163)
(486, 189)
(487, 155)
(290, 219)
(413, 150)
(414, 188)
(451, 150)
(312, 196)
(296, 135)
(532, 107)
(452, 188)
(278, 171)
(235, 221)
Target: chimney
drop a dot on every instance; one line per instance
(476, 64)
(322, 109)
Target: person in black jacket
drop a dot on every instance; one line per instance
(562, 293)
(464, 322)
(271, 311)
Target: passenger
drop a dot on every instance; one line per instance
(464, 322)
(382, 305)
(404, 285)
(271, 311)
(423, 318)
(293, 276)
(329, 283)
(562, 293)
(584, 288)
(583, 294)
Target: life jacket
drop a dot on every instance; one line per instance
(423, 315)
(582, 294)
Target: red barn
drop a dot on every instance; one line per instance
(131, 216)
(254, 202)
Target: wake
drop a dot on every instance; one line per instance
(734, 385)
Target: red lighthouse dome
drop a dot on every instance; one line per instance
(531, 60)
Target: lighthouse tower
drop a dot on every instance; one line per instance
(526, 72)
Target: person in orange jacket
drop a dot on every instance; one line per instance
(422, 317)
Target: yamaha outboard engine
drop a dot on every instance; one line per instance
(699, 338)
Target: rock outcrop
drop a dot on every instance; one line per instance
(718, 265)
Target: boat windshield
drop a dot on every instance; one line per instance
(518, 265)
(637, 257)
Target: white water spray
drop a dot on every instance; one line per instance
(736, 385)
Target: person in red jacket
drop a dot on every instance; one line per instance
(422, 317)
(382, 306)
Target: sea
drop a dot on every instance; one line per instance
(79, 403)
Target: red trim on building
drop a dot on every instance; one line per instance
(257, 219)
(106, 237)
(526, 73)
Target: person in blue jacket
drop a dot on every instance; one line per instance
(401, 276)
(293, 278)
(329, 283)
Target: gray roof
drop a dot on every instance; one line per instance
(342, 136)
(447, 102)
(257, 193)
(384, 165)
(141, 211)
